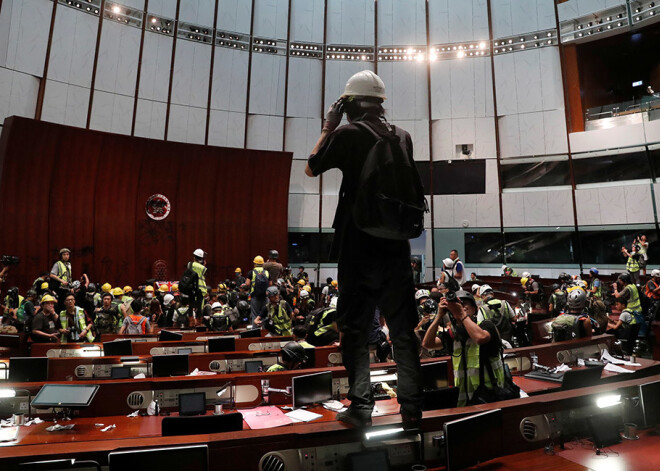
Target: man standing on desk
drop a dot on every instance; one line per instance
(372, 271)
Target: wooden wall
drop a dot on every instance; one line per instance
(86, 190)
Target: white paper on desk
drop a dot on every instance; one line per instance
(562, 367)
(36, 420)
(8, 434)
(609, 358)
(333, 405)
(301, 415)
(133, 414)
(139, 376)
(616, 369)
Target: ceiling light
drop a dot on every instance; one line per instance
(460, 54)
(482, 45)
(116, 9)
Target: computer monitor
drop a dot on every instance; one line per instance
(166, 335)
(254, 366)
(65, 395)
(473, 439)
(434, 375)
(221, 344)
(649, 395)
(28, 369)
(312, 388)
(252, 333)
(202, 424)
(118, 348)
(169, 365)
(120, 372)
(186, 458)
(184, 351)
(445, 398)
(373, 460)
(582, 378)
(604, 429)
(192, 403)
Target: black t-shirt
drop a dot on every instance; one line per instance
(492, 347)
(44, 324)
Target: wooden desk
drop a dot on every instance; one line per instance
(536, 460)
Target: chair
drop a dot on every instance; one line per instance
(204, 424)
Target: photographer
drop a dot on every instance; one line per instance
(277, 315)
(44, 327)
(632, 264)
(13, 302)
(474, 345)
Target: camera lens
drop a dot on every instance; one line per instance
(451, 297)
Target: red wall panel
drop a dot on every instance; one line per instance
(87, 190)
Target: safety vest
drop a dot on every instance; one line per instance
(632, 265)
(80, 318)
(201, 274)
(275, 367)
(64, 271)
(498, 312)
(633, 303)
(305, 344)
(469, 362)
(599, 291)
(323, 327)
(281, 320)
(633, 316)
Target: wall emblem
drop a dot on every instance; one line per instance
(158, 207)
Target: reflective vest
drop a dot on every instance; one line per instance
(469, 362)
(80, 318)
(201, 274)
(633, 303)
(599, 291)
(632, 265)
(323, 327)
(275, 367)
(64, 271)
(498, 312)
(281, 320)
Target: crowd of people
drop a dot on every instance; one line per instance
(61, 308)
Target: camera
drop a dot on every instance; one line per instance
(12, 298)
(451, 297)
(9, 260)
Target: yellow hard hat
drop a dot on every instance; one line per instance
(44, 285)
(301, 282)
(128, 289)
(222, 287)
(149, 289)
(258, 260)
(238, 270)
(163, 288)
(106, 287)
(307, 288)
(523, 281)
(117, 291)
(334, 283)
(48, 299)
(175, 287)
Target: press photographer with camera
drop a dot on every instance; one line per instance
(479, 371)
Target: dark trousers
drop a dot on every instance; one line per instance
(257, 304)
(377, 273)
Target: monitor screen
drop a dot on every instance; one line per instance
(169, 365)
(251, 333)
(313, 388)
(188, 458)
(254, 366)
(604, 429)
(582, 378)
(434, 375)
(473, 439)
(222, 344)
(373, 460)
(166, 335)
(192, 403)
(27, 369)
(120, 372)
(118, 347)
(65, 395)
(184, 351)
(444, 398)
(650, 398)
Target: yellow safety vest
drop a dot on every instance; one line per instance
(201, 274)
(64, 271)
(80, 317)
(633, 303)
(632, 265)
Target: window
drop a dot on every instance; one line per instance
(533, 174)
(310, 247)
(540, 247)
(459, 177)
(483, 247)
(604, 247)
(611, 168)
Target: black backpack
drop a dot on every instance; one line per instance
(450, 282)
(189, 282)
(389, 202)
(260, 283)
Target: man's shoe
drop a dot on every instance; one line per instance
(411, 422)
(356, 419)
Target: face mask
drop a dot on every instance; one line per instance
(149, 295)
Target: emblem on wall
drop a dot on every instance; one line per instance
(158, 207)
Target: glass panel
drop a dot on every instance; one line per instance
(540, 247)
(483, 247)
(303, 247)
(655, 161)
(544, 173)
(612, 168)
(463, 177)
(604, 247)
(423, 168)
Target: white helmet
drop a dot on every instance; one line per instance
(526, 274)
(168, 299)
(304, 294)
(333, 302)
(504, 267)
(216, 305)
(199, 253)
(484, 289)
(655, 272)
(422, 293)
(475, 288)
(365, 83)
(448, 262)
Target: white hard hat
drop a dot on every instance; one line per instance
(526, 274)
(303, 294)
(216, 305)
(475, 288)
(504, 267)
(422, 293)
(199, 253)
(448, 262)
(333, 301)
(365, 83)
(655, 272)
(168, 299)
(484, 289)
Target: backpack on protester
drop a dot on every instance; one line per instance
(189, 282)
(260, 283)
(389, 202)
(136, 327)
(450, 282)
(566, 327)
